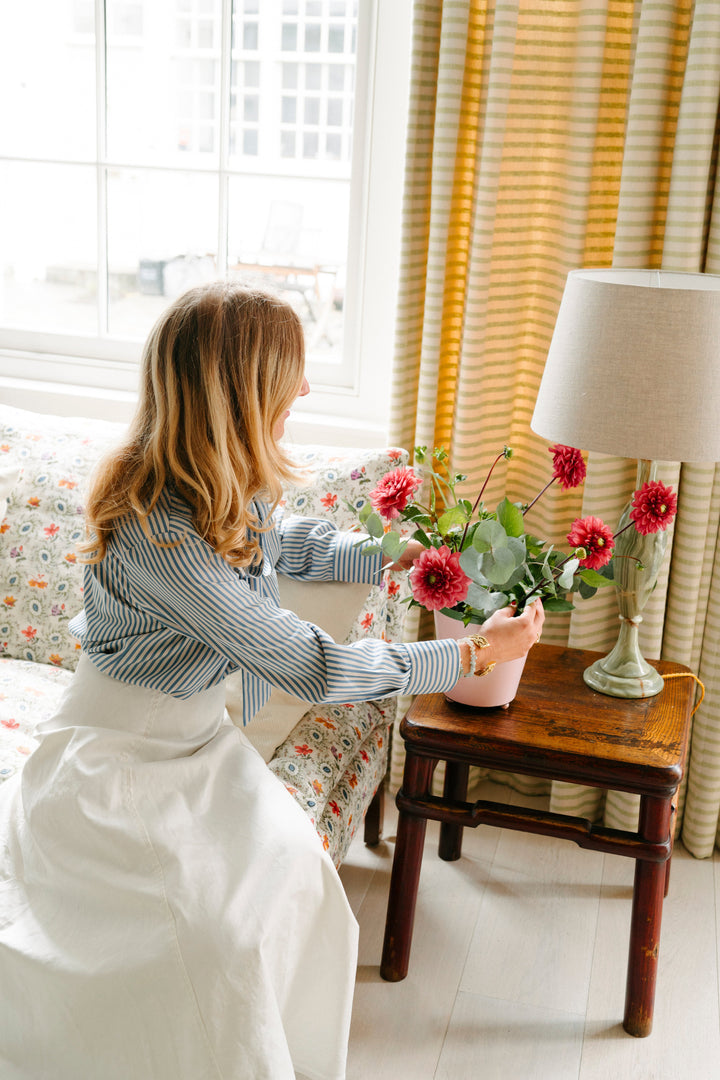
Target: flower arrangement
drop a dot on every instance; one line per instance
(477, 560)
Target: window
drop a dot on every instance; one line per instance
(154, 144)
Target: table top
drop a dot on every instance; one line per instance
(559, 727)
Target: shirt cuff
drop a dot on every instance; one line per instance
(435, 666)
(351, 565)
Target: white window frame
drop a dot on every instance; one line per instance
(98, 377)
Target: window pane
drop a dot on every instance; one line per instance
(312, 111)
(333, 147)
(289, 37)
(293, 225)
(289, 76)
(289, 110)
(336, 76)
(336, 39)
(251, 107)
(251, 73)
(313, 76)
(47, 83)
(312, 38)
(250, 36)
(48, 255)
(334, 112)
(287, 144)
(156, 249)
(310, 144)
(250, 142)
(163, 86)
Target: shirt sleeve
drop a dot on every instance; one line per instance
(315, 550)
(191, 590)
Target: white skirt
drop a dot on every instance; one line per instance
(167, 911)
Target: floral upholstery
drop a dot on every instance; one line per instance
(29, 694)
(335, 756)
(332, 764)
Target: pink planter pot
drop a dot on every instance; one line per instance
(488, 691)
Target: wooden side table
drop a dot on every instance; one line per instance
(560, 729)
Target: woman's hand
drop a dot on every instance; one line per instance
(508, 636)
(412, 551)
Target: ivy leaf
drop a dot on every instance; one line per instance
(422, 537)
(454, 516)
(511, 518)
(593, 578)
(565, 581)
(554, 603)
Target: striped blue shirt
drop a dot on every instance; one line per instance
(179, 618)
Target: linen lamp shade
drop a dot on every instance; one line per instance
(634, 366)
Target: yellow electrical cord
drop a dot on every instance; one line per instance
(689, 675)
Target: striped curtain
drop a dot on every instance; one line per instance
(545, 137)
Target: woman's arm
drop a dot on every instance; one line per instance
(315, 550)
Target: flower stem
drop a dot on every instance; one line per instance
(530, 505)
(479, 498)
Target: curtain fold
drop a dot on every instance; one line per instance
(543, 138)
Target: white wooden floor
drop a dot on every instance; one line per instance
(518, 964)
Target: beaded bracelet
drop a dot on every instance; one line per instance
(481, 643)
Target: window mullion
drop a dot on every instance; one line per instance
(100, 167)
(224, 133)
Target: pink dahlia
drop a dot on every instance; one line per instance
(437, 580)
(653, 507)
(394, 491)
(592, 534)
(568, 466)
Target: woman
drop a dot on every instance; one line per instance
(167, 911)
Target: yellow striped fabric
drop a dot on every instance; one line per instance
(544, 138)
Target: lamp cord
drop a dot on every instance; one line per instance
(690, 675)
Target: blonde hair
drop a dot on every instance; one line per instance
(219, 369)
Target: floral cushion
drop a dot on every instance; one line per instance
(29, 694)
(332, 764)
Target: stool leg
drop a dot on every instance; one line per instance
(454, 791)
(405, 873)
(646, 918)
(374, 817)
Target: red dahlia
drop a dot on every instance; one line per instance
(592, 534)
(394, 491)
(437, 581)
(568, 466)
(653, 507)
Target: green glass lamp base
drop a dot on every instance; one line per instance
(624, 672)
(624, 686)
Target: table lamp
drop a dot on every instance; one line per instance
(633, 370)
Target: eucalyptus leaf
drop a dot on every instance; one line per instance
(489, 534)
(422, 537)
(585, 590)
(374, 526)
(365, 512)
(497, 565)
(393, 546)
(484, 601)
